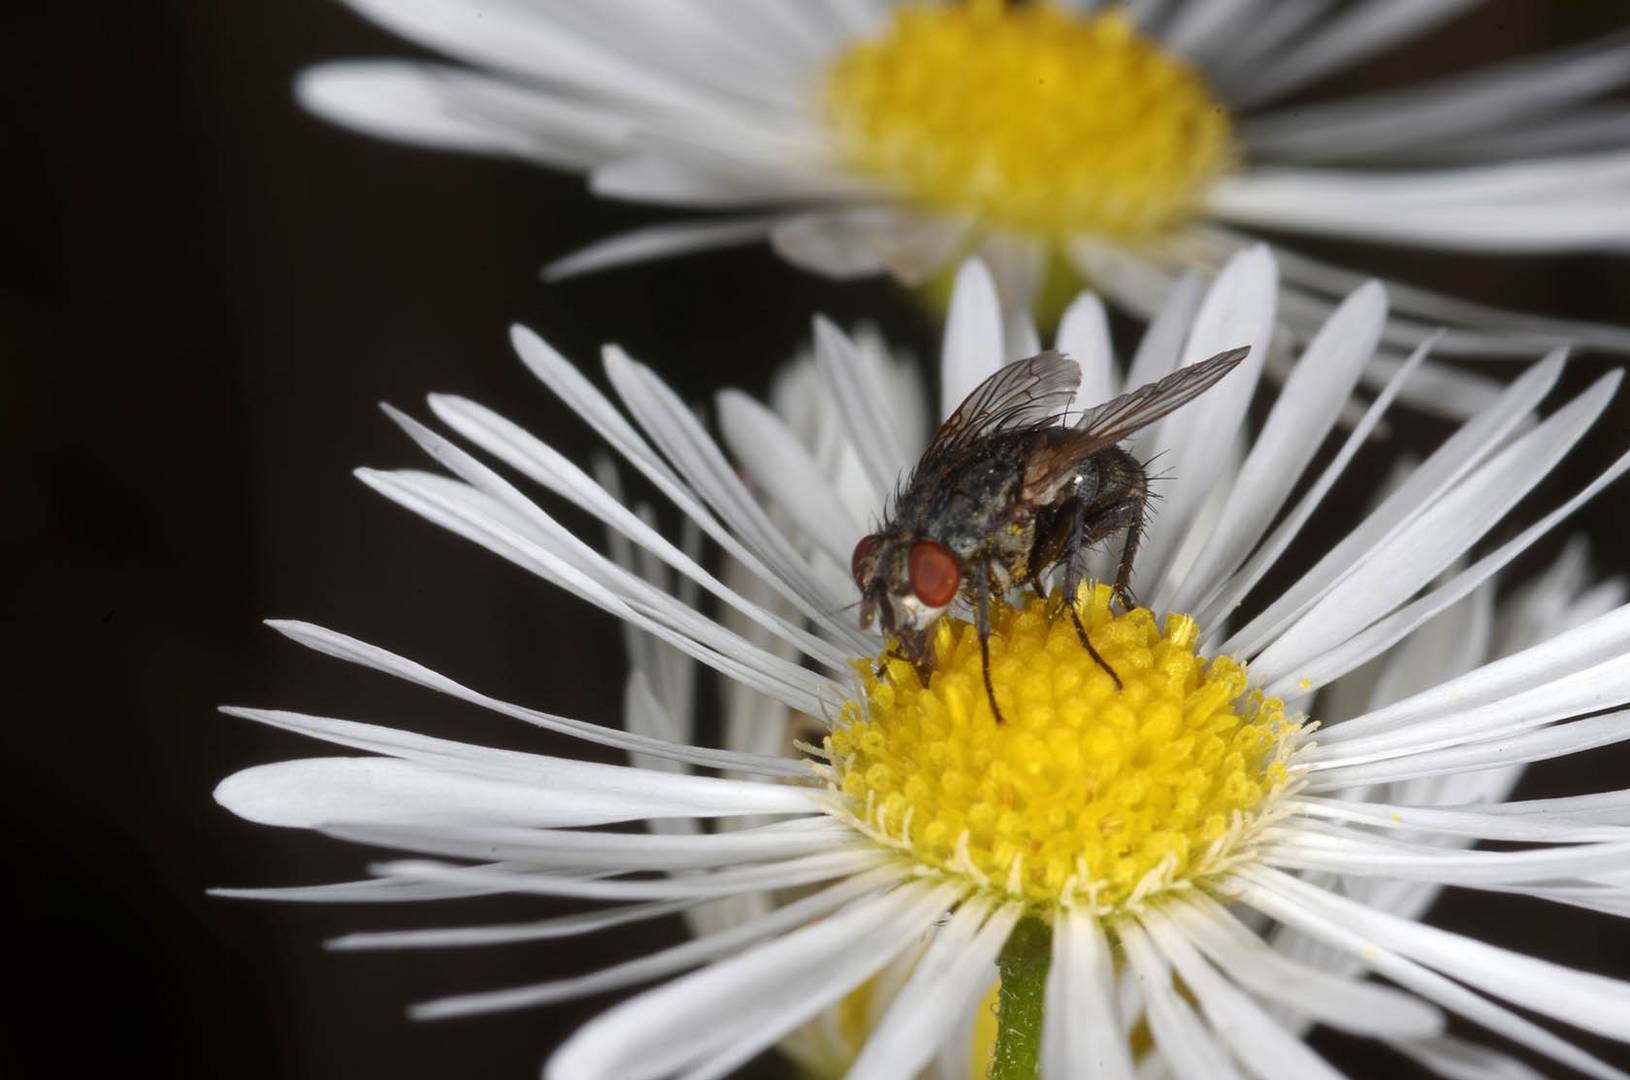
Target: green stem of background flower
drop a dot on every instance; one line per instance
(1023, 966)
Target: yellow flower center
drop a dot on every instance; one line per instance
(1030, 118)
(1085, 796)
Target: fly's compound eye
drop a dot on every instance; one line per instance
(934, 573)
(858, 559)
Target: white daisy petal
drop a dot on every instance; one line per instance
(1358, 32)
(1261, 1045)
(1476, 822)
(556, 373)
(447, 108)
(1585, 129)
(319, 791)
(343, 647)
(1394, 627)
(1206, 30)
(1457, 1059)
(1350, 855)
(369, 891)
(1558, 207)
(522, 41)
(1592, 1002)
(784, 469)
(949, 978)
(543, 464)
(1599, 640)
(1020, 339)
(1416, 117)
(848, 242)
(560, 926)
(660, 242)
(509, 765)
(696, 179)
(667, 961)
(852, 383)
(973, 336)
(1278, 26)
(1238, 310)
(1227, 594)
(1423, 489)
(460, 510)
(1519, 335)
(693, 454)
(620, 852)
(1602, 808)
(1141, 285)
(1591, 690)
(742, 1001)
(1017, 265)
(1083, 336)
(690, 41)
(1081, 1028)
(1184, 1041)
(1307, 910)
(1363, 1008)
(1558, 740)
(787, 874)
(1304, 412)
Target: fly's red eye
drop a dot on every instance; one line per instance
(862, 549)
(934, 573)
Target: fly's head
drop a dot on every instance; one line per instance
(905, 584)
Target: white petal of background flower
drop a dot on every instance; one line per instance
(692, 107)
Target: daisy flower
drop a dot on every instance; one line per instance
(1182, 874)
(1116, 143)
(1475, 630)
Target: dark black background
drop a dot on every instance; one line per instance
(206, 292)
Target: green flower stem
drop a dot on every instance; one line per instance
(1023, 966)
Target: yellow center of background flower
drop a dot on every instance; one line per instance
(1031, 118)
(1085, 795)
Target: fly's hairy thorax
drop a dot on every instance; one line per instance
(975, 504)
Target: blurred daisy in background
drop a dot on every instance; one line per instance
(1113, 144)
(1183, 875)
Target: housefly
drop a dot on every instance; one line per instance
(1005, 492)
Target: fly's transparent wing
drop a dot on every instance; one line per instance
(1107, 424)
(1026, 393)
(1119, 417)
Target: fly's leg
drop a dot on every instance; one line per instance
(1110, 519)
(982, 625)
(1072, 579)
(1052, 534)
(882, 669)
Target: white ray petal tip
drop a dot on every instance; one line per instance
(973, 274)
(615, 358)
(326, 89)
(827, 332)
(530, 344)
(259, 793)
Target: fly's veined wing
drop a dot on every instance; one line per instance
(1119, 417)
(1107, 424)
(1025, 393)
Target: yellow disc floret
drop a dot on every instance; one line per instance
(1083, 795)
(1031, 118)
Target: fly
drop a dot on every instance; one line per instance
(1006, 491)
